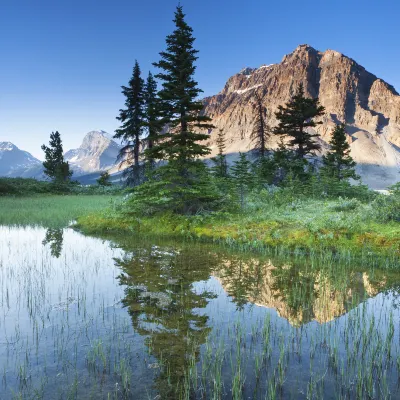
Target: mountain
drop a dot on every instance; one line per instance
(18, 163)
(369, 106)
(98, 152)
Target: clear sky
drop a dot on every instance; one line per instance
(62, 62)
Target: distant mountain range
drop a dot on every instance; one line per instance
(98, 152)
(368, 106)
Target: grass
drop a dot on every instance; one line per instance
(51, 210)
(337, 227)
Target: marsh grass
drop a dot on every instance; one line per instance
(341, 228)
(53, 211)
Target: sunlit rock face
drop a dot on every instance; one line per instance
(98, 152)
(369, 106)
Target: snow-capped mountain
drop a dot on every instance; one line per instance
(98, 152)
(17, 163)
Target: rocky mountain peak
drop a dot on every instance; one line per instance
(368, 106)
(7, 146)
(97, 152)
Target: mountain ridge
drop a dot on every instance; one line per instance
(368, 105)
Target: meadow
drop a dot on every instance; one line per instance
(49, 210)
(345, 227)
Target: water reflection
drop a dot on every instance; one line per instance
(54, 237)
(129, 318)
(166, 307)
(167, 295)
(299, 290)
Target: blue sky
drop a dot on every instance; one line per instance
(62, 62)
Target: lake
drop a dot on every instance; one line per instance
(133, 318)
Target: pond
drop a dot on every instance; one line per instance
(130, 318)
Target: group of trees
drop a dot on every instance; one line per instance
(164, 132)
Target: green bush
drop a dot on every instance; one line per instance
(28, 187)
(386, 208)
(345, 204)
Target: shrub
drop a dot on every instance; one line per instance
(386, 208)
(345, 204)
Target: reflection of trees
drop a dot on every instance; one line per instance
(240, 278)
(54, 237)
(164, 305)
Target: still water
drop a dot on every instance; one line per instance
(124, 318)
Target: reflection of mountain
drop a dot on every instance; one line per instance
(299, 294)
(166, 308)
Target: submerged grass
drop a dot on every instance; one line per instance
(308, 226)
(50, 211)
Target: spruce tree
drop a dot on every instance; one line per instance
(182, 183)
(220, 167)
(152, 121)
(132, 119)
(338, 163)
(55, 167)
(179, 104)
(242, 177)
(295, 120)
(261, 131)
(104, 179)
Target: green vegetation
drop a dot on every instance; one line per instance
(132, 119)
(55, 167)
(29, 187)
(338, 162)
(104, 179)
(50, 211)
(277, 220)
(281, 201)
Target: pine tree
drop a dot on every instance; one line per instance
(179, 104)
(131, 130)
(104, 179)
(55, 167)
(182, 184)
(242, 177)
(338, 163)
(261, 131)
(295, 119)
(152, 121)
(220, 167)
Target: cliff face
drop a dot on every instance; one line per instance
(369, 106)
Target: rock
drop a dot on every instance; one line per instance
(369, 106)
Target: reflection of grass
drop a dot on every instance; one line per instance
(307, 226)
(49, 211)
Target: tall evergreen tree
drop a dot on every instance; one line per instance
(338, 163)
(132, 119)
(261, 131)
(295, 119)
(55, 167)
(152, 121)
(220, 167)
(179, 104)
(242, 177)
(182, 183)
(104, 179)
